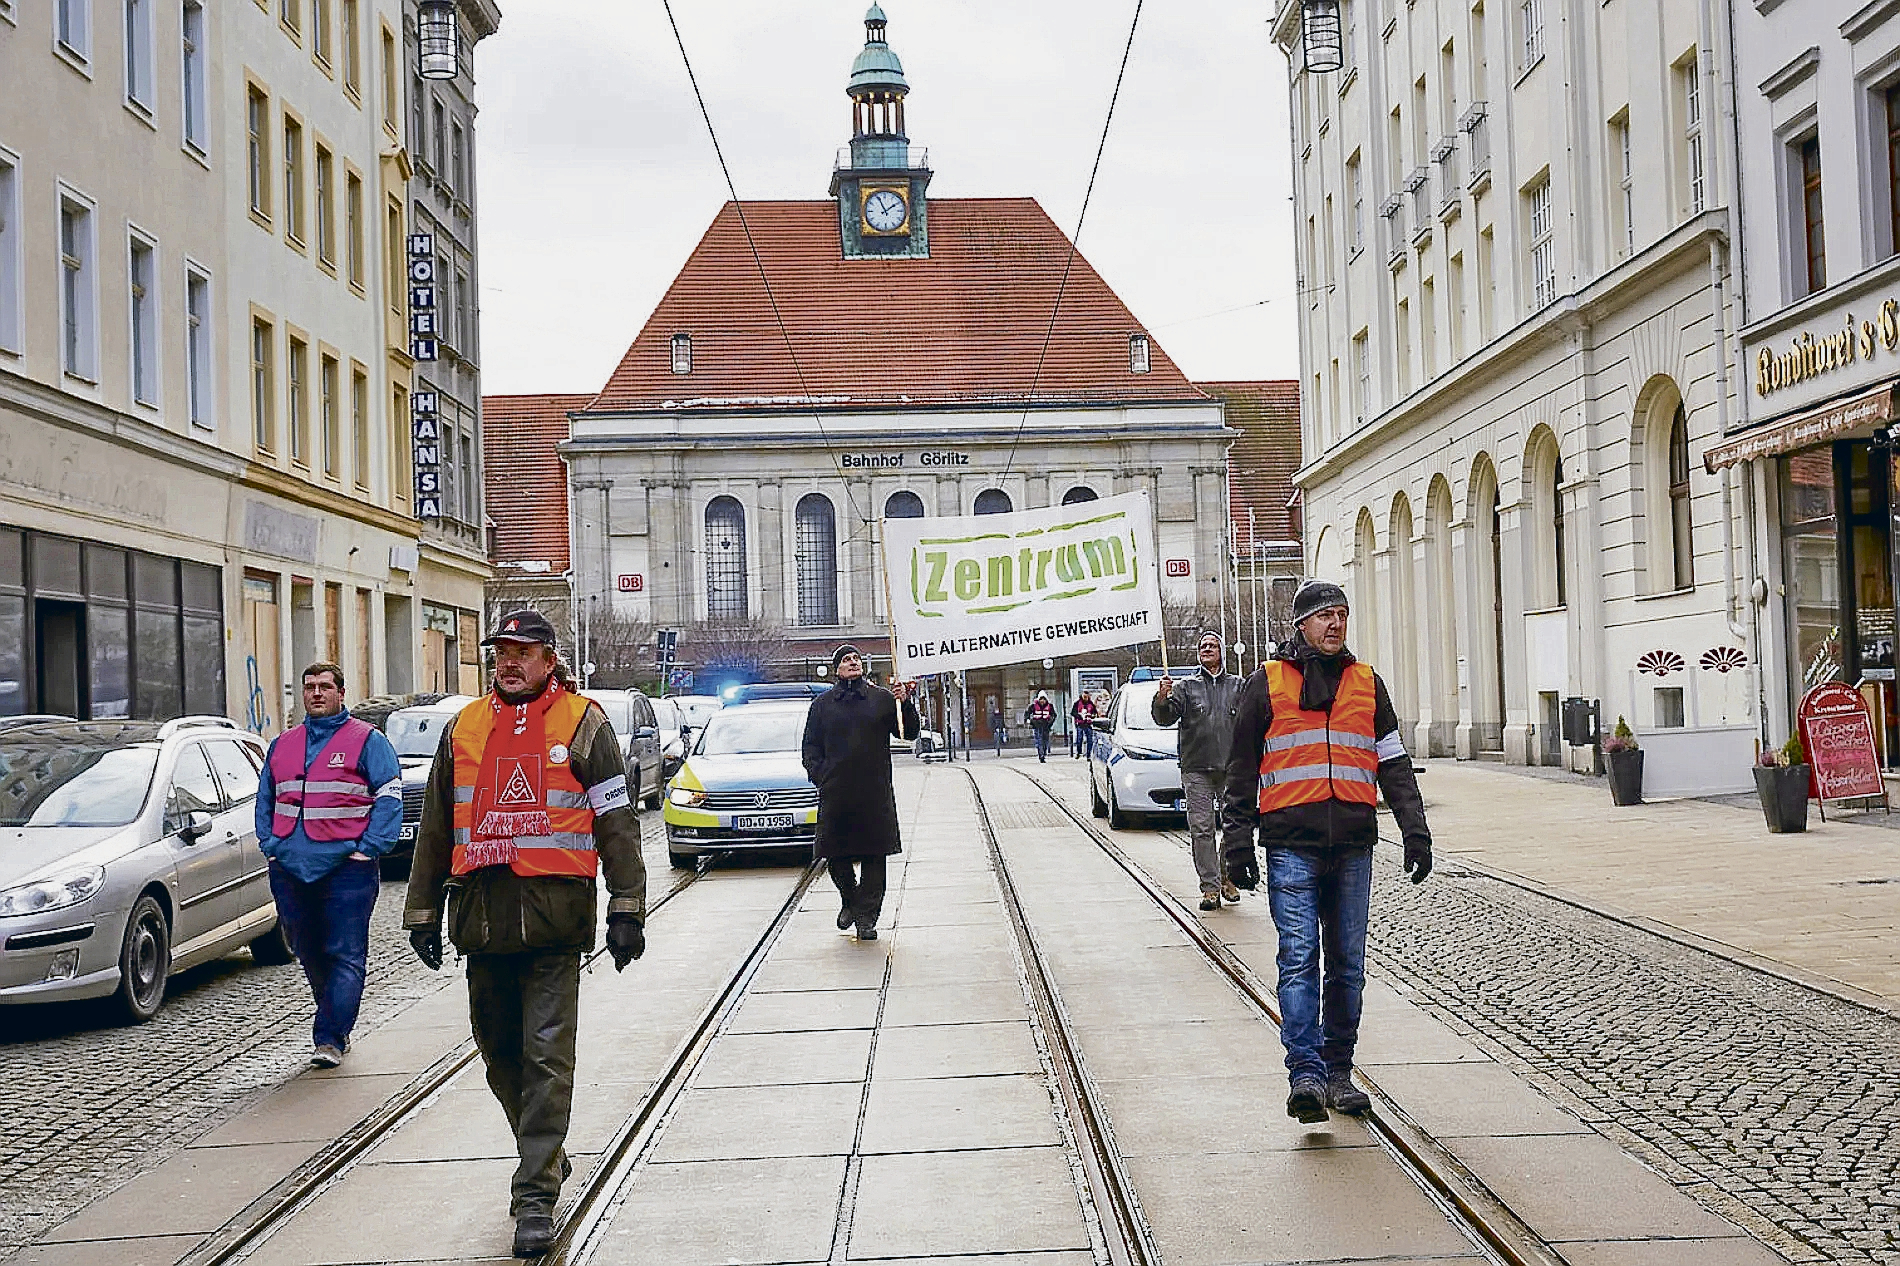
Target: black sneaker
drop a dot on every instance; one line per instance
(867, 931)
(1345, 1097)
(1308, 1101)
(534, 1235)
(844, 917)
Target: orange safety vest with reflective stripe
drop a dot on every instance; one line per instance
(1309, 757)
(569, 850)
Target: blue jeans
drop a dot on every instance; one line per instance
(1320, 903)
(1042, 741)
(327, 923)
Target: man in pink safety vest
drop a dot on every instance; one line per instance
(329, 804)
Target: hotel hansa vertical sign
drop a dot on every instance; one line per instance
(424, 406)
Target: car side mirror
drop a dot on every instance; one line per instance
(197, 826)
(646, 732)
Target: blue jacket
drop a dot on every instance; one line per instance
(308, 859)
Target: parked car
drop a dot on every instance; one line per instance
(673, 734)
(743, 788)
(634, 723)
(415, 732)
(129, 853)
(1134, 764)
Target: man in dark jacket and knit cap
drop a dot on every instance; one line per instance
(1315, 740)
(847, 753)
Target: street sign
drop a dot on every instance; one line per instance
(1838, 733)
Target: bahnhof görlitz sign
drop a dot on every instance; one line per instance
(897, 461)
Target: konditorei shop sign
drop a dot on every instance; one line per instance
(1810, 355)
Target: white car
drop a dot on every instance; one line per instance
(1134, 764)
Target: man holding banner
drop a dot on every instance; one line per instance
(1316, 738)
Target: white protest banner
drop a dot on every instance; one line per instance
(1004, 588)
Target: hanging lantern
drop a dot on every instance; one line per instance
(1319, 32)
(438, 45)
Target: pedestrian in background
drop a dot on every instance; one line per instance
(1315, 740)
(1082, 717)
(1042, 719)
(527, 799)
(1203, 708)
(999, 735)
(847, 755)
(329, 804)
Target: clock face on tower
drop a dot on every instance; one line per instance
(885, 211)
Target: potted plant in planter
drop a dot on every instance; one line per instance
(1626, 764)
(1781, 780)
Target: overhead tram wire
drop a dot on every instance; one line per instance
(1068, 264)
(759, 263)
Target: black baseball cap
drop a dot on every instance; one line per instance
(521, 626)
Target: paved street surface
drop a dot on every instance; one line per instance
(1631, 1097)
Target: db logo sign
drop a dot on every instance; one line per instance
(630, 584)
(1177, 566)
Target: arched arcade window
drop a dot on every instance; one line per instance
(1078, 494)
(817, 528)
(904, 504)
(725, 559)
(993, 501)
(1680, 540)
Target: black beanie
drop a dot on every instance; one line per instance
(1317, 595)
(837, 656)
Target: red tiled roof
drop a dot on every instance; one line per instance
(1260, 464)
(526, 480)
(965, 326)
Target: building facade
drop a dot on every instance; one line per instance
(1514, 228)
(1818, 114)
(205, 370)
(442, 226)
(731, 476)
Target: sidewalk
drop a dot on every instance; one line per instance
(1821, 908)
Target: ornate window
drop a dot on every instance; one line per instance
(725, 559)
(1681, 544)
(817, 560)
(1078, 494)
(904, 504)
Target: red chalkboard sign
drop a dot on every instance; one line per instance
(1838, 733)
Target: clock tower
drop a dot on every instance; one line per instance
(880, 193)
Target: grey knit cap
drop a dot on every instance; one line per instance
(1207, 633)
(1317, 595)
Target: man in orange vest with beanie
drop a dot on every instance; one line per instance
(1315, 740)
(527, 800)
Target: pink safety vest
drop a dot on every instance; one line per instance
(333, 798)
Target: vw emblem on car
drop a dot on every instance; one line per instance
(762, 800)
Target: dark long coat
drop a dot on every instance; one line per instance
(847, 753)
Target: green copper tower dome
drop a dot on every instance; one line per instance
(877, 66)
(881, 208)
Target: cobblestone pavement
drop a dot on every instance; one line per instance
(88, 1103)
(1774, 1105)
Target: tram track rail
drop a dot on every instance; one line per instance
(1460, 1194)
(284, 1202)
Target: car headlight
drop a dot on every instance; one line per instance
(55, 893)
(1144, 753)
(686, 797)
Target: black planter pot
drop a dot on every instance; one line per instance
(1626, 776)
(1784, 796)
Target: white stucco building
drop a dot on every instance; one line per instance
(1513, 246)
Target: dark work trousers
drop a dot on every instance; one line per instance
(524, 1009)
(327, 923)
(863, 893)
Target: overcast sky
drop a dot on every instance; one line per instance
(597, 178)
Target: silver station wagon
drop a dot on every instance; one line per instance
(128, 851)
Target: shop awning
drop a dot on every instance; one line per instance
(1806, 430)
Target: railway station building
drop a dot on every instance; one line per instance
(733, 470)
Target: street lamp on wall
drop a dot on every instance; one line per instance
(1319, 33)
(438, 46)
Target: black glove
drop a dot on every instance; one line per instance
(1418, 857)
(1243, 868)
(626, 939)
(427, 942)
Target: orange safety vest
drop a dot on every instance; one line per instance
(1309, 757)
(569, 850)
